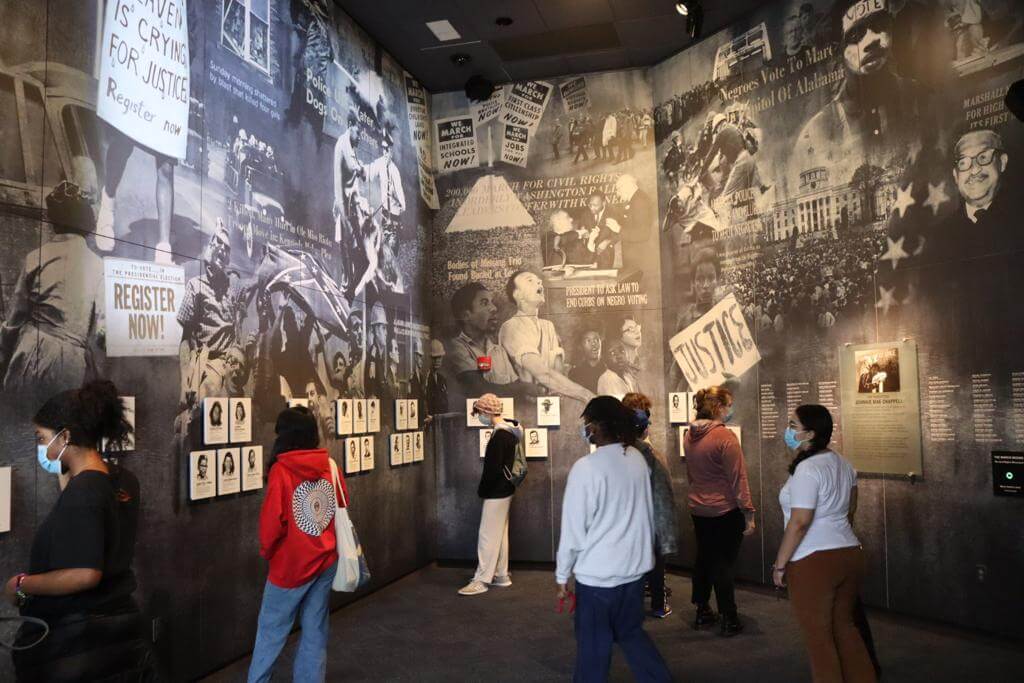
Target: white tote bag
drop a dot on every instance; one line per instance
(352, 571)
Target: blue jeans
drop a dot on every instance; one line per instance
(277, 614)
(614, 615)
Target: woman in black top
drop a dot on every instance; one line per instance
(496, 488)
(79, 580)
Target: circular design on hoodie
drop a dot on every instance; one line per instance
(313, 505)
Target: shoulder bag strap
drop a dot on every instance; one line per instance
(337, 484)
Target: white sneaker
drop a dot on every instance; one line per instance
(473, 588)
(163, 254)
(105, 223)
(502, 581)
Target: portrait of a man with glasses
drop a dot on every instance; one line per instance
(979, 163)
(982, 224)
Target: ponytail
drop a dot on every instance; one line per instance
(90, 415)
(706, 402)
(817, 419)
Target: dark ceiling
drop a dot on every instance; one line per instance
(548, 37)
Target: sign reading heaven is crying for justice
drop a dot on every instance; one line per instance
(141, 301)
(144, 73)
(718, 346)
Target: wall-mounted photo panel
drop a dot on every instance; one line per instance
(737, 430)
(343, 416)
(485, 438)
(401, 419)
(5, 499)
(298, 403)
(240, 410)
(680, 407)
(682, 429)
(418, 449)
(549, 411)
(215, 421)
(395, 454)
(353, 455)
(508, 407)
(373, 415)
(412, 413)
(471, 419)
(252, 468)
(202, 474)
(129, 415)
(229, 475)
(359, 420)
(536, 443)
(407, 448)
(366, 454)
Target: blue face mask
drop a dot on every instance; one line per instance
(51, 466)
(485, 420)
(729, 414)
(585, 433)
(790, 438)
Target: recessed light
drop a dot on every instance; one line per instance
(682, 8)
(461, 59)
(504, 21)
(443, 30)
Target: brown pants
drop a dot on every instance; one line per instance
(823, 589)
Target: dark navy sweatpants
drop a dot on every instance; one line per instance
(614, 615)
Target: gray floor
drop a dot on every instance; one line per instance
(419, 629)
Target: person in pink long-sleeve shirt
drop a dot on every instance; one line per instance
(720, 505)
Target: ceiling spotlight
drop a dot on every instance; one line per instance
(683, 8)
(504, 21)
(461, 59)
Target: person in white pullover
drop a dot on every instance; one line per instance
(607, 541)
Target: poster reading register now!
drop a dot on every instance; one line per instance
(144, 73)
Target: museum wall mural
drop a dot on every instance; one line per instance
(546, 289)
(833, 197)
(841, 175)
(250, 204)
(220, 207)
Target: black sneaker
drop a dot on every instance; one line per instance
(731, 625)
(705, 617)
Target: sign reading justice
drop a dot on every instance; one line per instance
(718, 346)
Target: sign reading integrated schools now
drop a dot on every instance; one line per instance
(1007, 473)
(456, 144)
(141, 301)
(144, 73)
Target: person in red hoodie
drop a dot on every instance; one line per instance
(297, 538)
(720, 504)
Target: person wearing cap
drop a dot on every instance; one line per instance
(207, 319)
(386, 183)
(674, 159)
(347, 171)
(496, 490)
(873, 106)
(419, 370)
(376, 358)
(435, 386)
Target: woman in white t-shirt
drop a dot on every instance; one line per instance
(820, 558)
